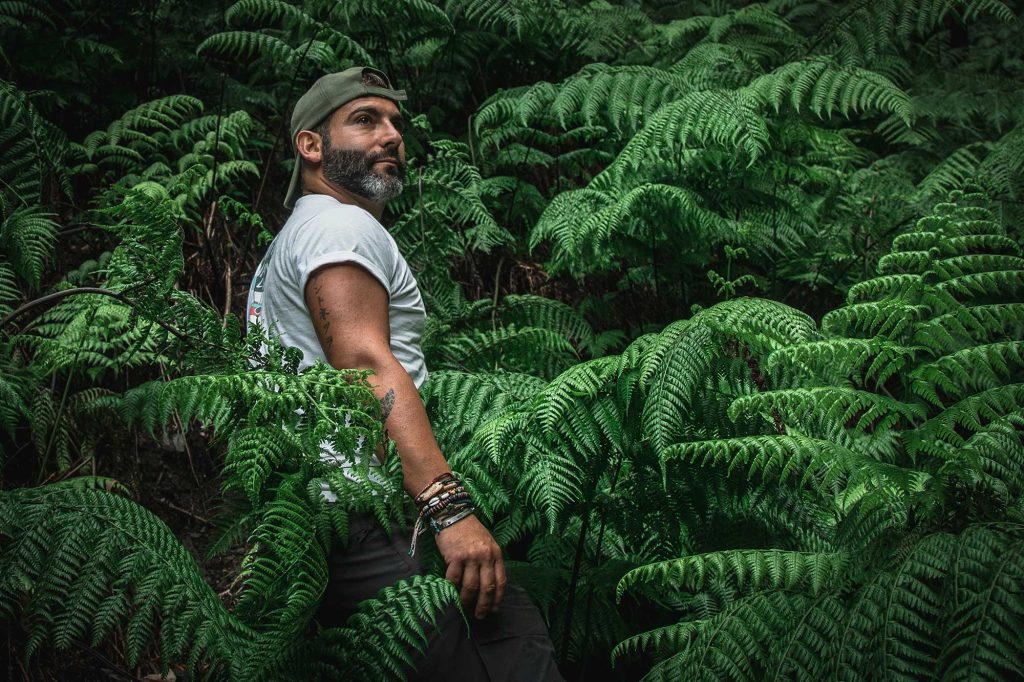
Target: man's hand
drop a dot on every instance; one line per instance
(474, 563)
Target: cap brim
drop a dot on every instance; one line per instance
(295, 186)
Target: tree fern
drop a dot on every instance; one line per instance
(898, 613)
(792, 500)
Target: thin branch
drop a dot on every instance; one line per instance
(58, 295)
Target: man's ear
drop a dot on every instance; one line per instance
(309, 146)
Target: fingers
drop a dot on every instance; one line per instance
(482, 583)
(485, 599)
(470, 584)
(500, 580)
(454, 573)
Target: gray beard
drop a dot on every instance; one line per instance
(353, 171)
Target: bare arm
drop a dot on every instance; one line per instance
(349, 309)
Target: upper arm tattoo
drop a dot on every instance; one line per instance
(324, 317)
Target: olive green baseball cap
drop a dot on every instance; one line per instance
(327, 94)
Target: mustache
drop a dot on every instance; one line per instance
(385, 156)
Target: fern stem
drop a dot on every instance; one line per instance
(757, 376)
(56, 296)
(597, 561)
(494, 302)
(56, 419)
(62, 476)
(577, 563)
(63, 401)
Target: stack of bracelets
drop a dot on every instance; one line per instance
(444, 502)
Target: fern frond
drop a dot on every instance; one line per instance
(728, 119)
(545, 313)
(572, 388)
(661, 640)
(815, 463)
(831, 405)
(462, 401)
(748, 570)
(377, 640)
(254, 453)
(621, 98)
(674, 389)
(286, 572)
(552, 480)
(762, 323)
(581, 246)
(262, 12)
(28, 236)
(825, 87)
(859, 359)
(33, 148)
(983, 639)
(891, 622)
(968, 371)
(90, 560)
(9, 291)
(507, 347)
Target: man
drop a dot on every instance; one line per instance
(334, 284)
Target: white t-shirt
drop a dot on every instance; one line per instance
(321, 231)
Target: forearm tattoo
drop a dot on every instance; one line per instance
(386, 404)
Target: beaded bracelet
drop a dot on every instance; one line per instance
(441, 501)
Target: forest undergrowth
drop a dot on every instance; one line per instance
(726, 334)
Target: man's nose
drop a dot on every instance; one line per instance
(390, 135)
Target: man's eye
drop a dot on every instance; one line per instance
(364, 119)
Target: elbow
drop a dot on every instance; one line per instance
(361, 356)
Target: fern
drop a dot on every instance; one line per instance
(894, 437)
(28, 236)
(33, 150)
(748, 571)
(92, 559)
(785, 499)
(376, 640)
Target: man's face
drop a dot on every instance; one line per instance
(364, 152)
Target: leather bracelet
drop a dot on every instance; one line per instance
(436, 486)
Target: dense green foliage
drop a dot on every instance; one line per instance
(726, 318)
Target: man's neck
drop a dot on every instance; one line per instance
(319, 185)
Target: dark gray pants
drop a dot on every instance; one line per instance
(509, 645)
